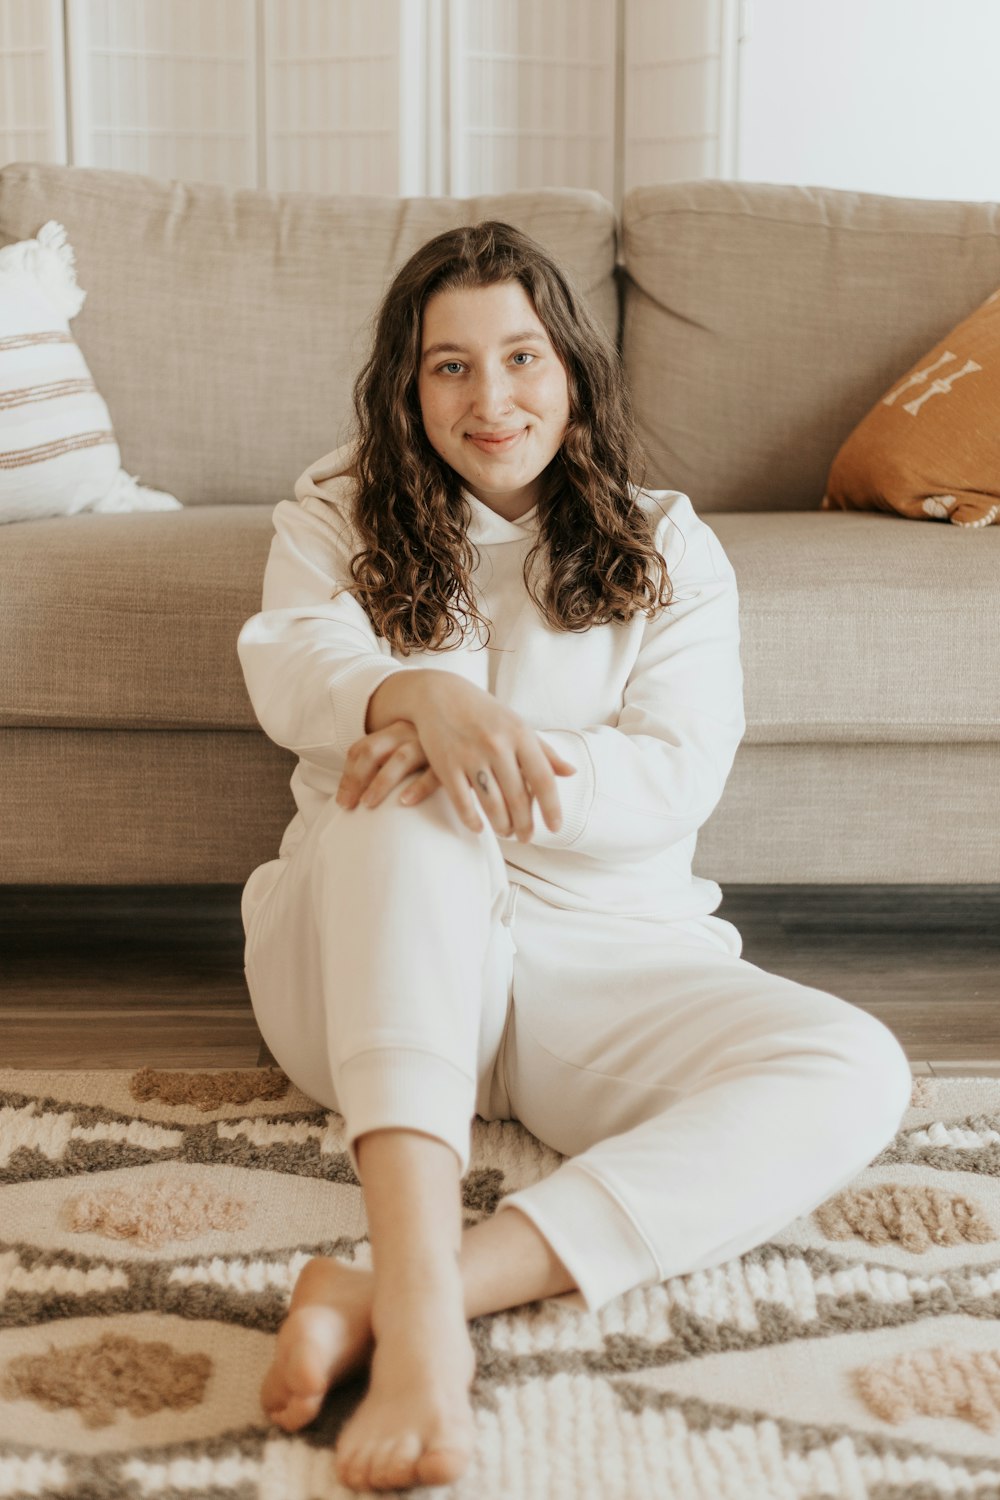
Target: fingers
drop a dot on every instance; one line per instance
(509, 813)
(504, 786)
(420, 788)
(389, 775)
(505, 790)
(541, 766)
(507, 795)
(378, 762)
(464, 801)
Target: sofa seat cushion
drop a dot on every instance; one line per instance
(855, 626)
(130, 621)
(859, 627)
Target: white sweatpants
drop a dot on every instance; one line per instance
(399, 978)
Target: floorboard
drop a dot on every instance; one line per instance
(153, 975)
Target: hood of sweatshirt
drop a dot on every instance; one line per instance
(485, 528)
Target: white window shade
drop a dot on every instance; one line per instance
(333, 79)
(680, 80)
(165, 88)
(399, 97)
(32, 82)
(533, 95)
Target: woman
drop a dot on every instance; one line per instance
(474, 610)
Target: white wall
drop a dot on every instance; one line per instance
(881, 96)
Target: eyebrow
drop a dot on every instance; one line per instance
(515, 338)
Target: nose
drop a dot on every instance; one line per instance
(492, 394)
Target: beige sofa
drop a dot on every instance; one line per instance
(758, 324)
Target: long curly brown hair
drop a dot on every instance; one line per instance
(409, 510)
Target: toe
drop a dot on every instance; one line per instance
(298, 1410)
(380, 1461)
(352, 1468)
(272, 1390)
(445, 1457)
(306, 1366)
(280, 1405)
(288, 1396)
(362, 1470)
(294, 1387)
(394, 1463)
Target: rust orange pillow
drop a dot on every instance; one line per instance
(930, 449)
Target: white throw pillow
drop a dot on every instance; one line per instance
(58, 453)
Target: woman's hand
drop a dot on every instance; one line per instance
(458, 731)
(484, 755)
(380, 761)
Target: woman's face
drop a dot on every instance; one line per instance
(493, 392)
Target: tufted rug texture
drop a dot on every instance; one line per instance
(153, 1225)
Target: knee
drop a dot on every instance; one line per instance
(881, 1077)
(435, 816)
(394, 834)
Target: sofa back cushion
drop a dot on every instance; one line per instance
(224, 327)
(761, 323)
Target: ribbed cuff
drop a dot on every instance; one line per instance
(405, 1088)
(576, 793)
(350, 693)
(595, 1238)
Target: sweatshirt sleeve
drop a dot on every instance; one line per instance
(311, 662)
(654, 778)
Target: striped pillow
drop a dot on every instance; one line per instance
(58, 453)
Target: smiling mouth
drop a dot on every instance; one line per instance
(495, 442)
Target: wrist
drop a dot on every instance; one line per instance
(396, 697)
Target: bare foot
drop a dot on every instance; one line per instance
(326, 1335)
(415, 1423)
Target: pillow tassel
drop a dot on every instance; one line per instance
(126, 493)
(51, 261)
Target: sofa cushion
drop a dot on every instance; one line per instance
(854, 626)
(860, 627)
(130, 621)
(225, 326)
(762, 321)
(85, 808)
(930, 448)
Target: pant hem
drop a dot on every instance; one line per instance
(405, 1088)
(595, 1238)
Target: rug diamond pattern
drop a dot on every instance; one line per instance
(158, 1222)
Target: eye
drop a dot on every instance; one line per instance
(524, 356)
(451, 366)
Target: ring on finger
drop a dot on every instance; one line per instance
(483, 781)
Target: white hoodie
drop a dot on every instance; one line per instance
(650, 712)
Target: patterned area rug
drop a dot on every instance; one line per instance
(154, 1224)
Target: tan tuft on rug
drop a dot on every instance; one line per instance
(154, 1224)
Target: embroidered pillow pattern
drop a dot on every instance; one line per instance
(930, 448)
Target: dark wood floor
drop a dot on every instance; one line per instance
(128, 976)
